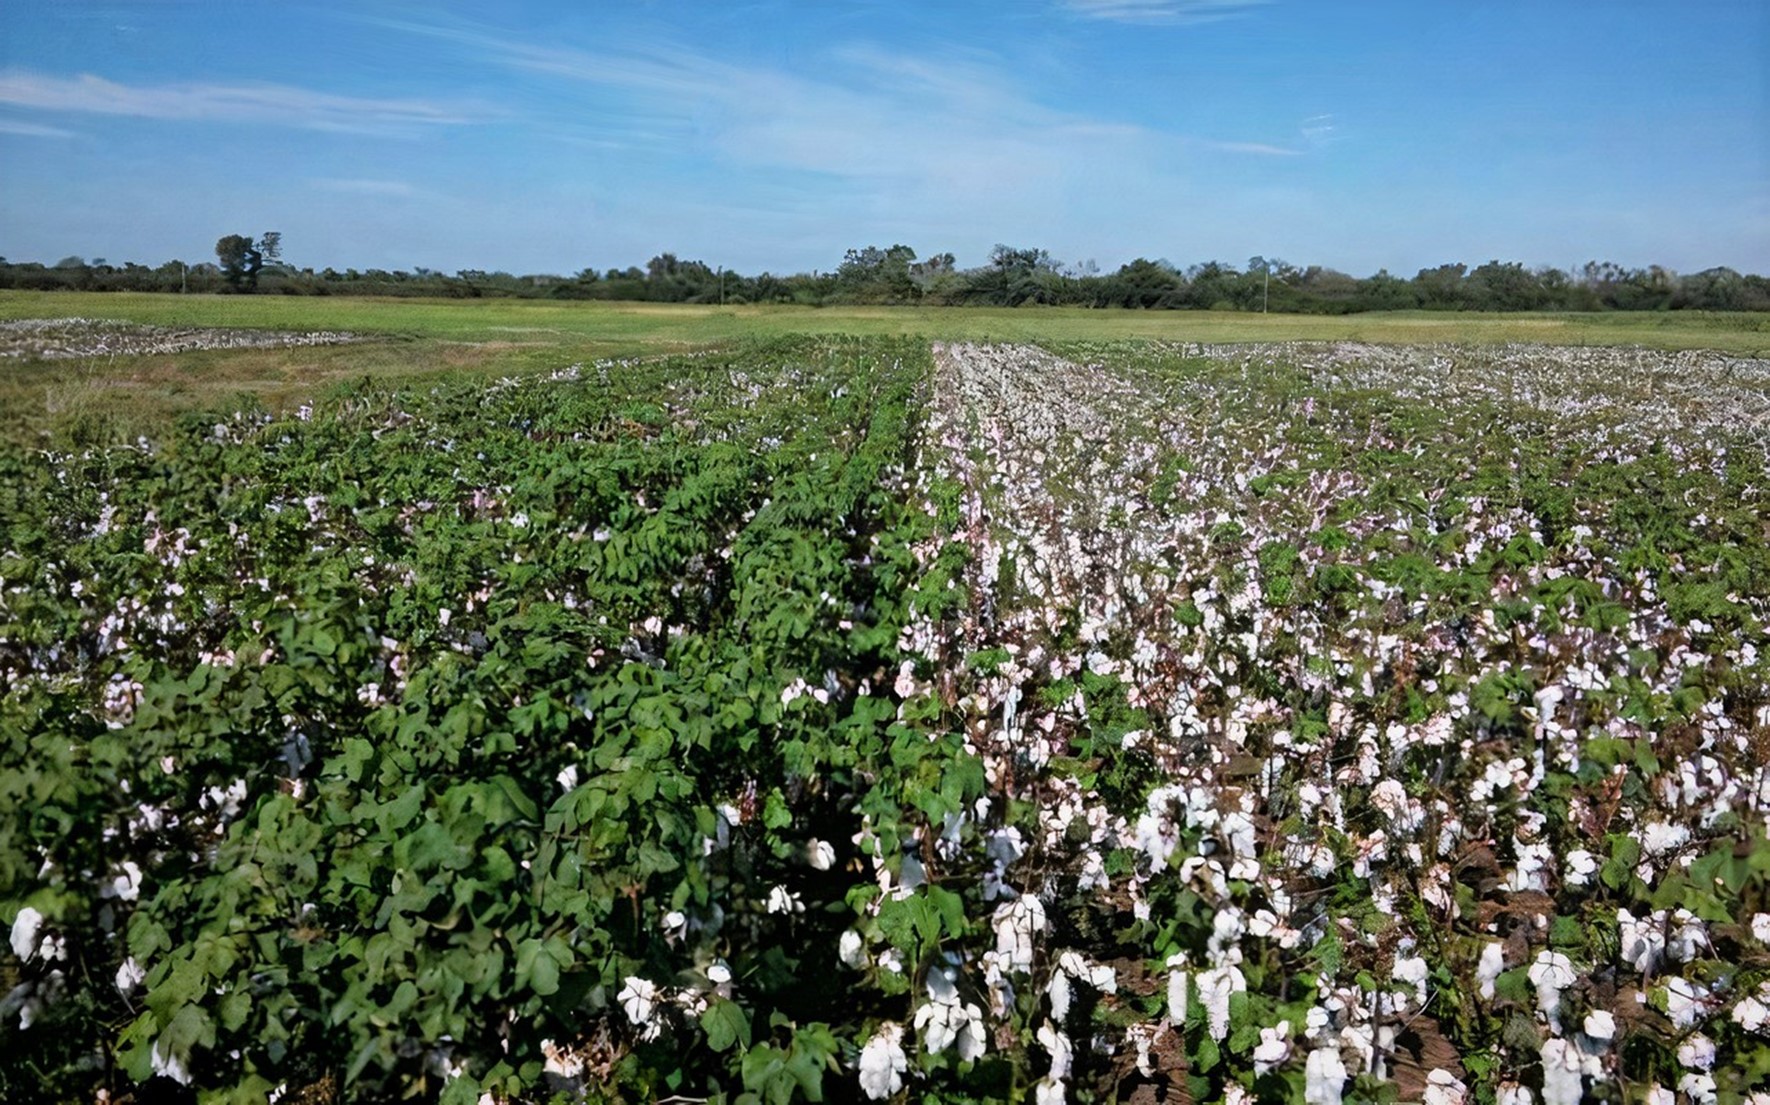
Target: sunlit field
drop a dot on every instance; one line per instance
(514, 702)
(406, 340)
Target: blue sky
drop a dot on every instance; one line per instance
(775, 134)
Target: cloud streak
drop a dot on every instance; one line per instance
(33, 130)
(1263, 149)
(395, 189)
(863, 142)
(256, 103)
(1160, 11)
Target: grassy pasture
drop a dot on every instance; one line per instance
(493, 337)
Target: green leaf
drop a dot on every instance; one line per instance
(725, 1024)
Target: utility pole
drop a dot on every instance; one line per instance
(1266, 286)
(184, 278)
(721, 285)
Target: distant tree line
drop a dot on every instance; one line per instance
(895, 275)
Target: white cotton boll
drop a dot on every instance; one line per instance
(945, 1020)
(567, 777)
(1390, 796)
(1443, 1088)
(1492, 964)
(1699, 1087)
(1659, 1095)
(1049, 1091)
(1214, 989)
(1689, 939)
(905, 686)
(1324, 1077)
(125, 885)
(883, 1063)
(1531, 873)
(1093, 874)
(1237, 831)
(1546, 700)
(1752, 1012)
(1761, 927)
(129, 976)
(1563, 1073)
(1058, 1047)
(1697, 1053)
(1581, 865)
(1178, 983)
(781, 900)
(1600, 1025)
(1510, 1093)
(1101, 978)
(1273, 1049)
(639, 1000)
(1058, 992)
(821, 854)
(1658, 838)
(1686, 1001)
(24, 932)
(1016, 924)
(1551, 973)
(1316, 1021)
(168, 1065)
(560, 1063)
(1641, 942)
(851, 950)
(1411, 971)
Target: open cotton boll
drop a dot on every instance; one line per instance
(1324, 1077)
(24, 932)
(1016, 924)
(1273, 1049)
(1551, 973)
(883, 1063)
(1215, 987)
(638, 999)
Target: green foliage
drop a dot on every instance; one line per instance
(476, 690)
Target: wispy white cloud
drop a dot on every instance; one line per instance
(954, 148)
(397, 189)
(890, 116)
(33, 130)
(1320, 130)
(1160, 11)
(1262, 148)
(258, 103)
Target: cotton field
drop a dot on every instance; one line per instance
(858, 719)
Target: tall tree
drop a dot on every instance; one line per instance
(240, 260)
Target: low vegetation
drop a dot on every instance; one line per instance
(818, 718)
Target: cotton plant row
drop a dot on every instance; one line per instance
(533, 547)
(1641, 392)
(1507, 794)
(64, 338)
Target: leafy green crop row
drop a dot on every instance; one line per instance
(387, 746)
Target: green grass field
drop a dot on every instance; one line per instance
(498, 337)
